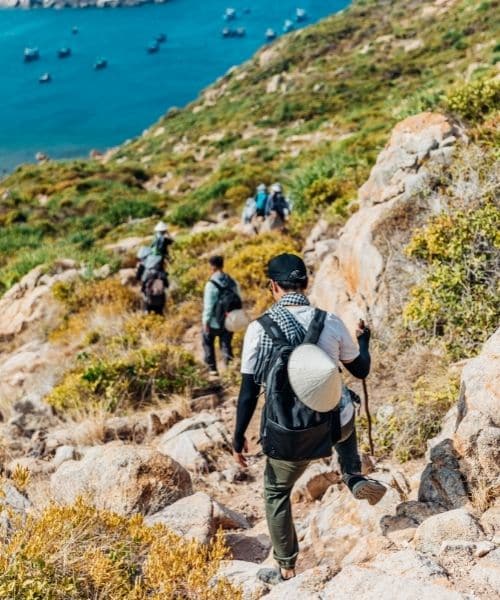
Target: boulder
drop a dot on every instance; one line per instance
(30, 301)
(314, 482)
(245, 546)
(409, 563)
(442, 481)
(342, 528)
(123, 479)
(198, 517)
(365, 583)
(243, 575)
(12, 502)
(455, 524)
(356, 278)
(477, 437)
(487, 571)
(307, 585)
(193, 441)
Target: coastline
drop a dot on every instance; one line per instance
(60, 4)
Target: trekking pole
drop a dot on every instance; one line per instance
(366, 407)
(368, 417)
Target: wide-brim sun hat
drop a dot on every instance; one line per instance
(161, 227)
(315, 378)
(276, 187)
(236, 320)
(261, 187)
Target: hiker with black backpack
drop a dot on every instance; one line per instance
(221, 297)
(294, 351)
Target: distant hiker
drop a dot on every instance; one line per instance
(249, 211)
(261, 198)
(277, 203)
(161, 241)
(154, 283)
(294, 351)
(222, 295)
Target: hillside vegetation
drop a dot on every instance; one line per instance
(313, 110)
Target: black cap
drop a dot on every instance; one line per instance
(287, 268)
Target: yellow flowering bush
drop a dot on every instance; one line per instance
(127, 381)
(475, 100)
(459, 299)
(79, 552)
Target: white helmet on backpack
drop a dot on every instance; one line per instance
(276, 187)
(161, 227)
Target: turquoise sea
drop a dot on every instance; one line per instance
(81, 108)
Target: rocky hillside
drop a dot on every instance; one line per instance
(117, 475)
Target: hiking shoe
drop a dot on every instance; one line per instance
(363, 488)
(272, 576)
(213, 373)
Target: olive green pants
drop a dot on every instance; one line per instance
(279, 479)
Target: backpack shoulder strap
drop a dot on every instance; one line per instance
(316, 327)
(217, 285)
(272, 329)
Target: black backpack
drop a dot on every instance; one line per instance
(290, 430)
(227, 301)
(155, 287)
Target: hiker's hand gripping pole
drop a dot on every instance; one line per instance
(362, 328)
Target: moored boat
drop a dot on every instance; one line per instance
(101, 63)
(229, 32)
(153, 47)
(64, 52)
(230, 14)
(270, 34)
(31, 54)
(161, 38)
(288, 26)
(74, 30)
(45, 78)
(300, 14)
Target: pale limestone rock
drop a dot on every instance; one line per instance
(477, 437)
(198, 517)
(490, 520)
(341, 526)
(355, 279)
(487, 571)
(365, 583)
(192, 440)
(30, 301)
(306, 585)
(63, 453)
(314, 482)
(11, 501)
(455, 524)
(121, 478)
(244, 575)
(409, 563)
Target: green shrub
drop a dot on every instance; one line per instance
(403, 426)
(459, 298)
(475, 100)
(185, 215)
(131, 380)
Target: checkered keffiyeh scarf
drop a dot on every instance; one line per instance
(293, 330)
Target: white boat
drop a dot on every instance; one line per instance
(45, 78)
(270, 34)
(300, 14)
(288, 26)
(230, 14)
(31, 54)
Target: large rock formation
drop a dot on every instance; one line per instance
(366, 274)
(124, 479)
